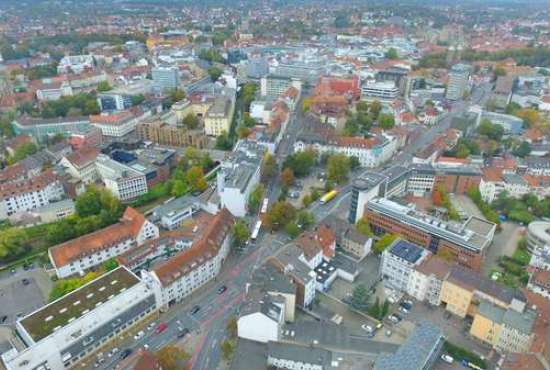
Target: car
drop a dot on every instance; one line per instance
(99, 361)
(448, 359)
(195, 309)
(25, 281)
(367, 328)
(391, 300)
(403, 310)
(406, 306)
(13, 271)
(294, 194)
(388, 333)
(113, 352)
(222, 289)
(151, 325)
(183, 332)
(162, 326)
(31, 266)
(379, 326)
(394, 319)
(25, 267)
(127, 352)
(139, 334)
(146, 346)
(408, 302)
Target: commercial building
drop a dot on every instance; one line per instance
(385, 92)
(219, 116)
(238, 177)
(47, 89)
(164, 78)
(31, 194)
(120, 124)
(81, 164)
(125, 182)
(261, 318)
(42, 128)
(166, 130)
(191, 268)
(94, 249)
(273, 86)
(75, 64)
(305, 70)
(459, 82)
(173, 214)
(420, 351)
(504, 329)
(510, 124)
(538, 235)
(257, 68)
(398, 262)
(70, 329)
(467, 242)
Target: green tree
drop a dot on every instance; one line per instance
(110, 264)
(24, 150)
(214, 73)
(287, 177)
(384, 242)
(103, 86)
(354, 163)
(492, 131)
(306, 200)
(315, 194)
(232, 327)
(191, 121)
(269, 168)
(242, 131)
(292, 230)
(74, 112)
(375, 108)
(387, 121)
(178, 188)
(338, 168)
(462, 150)
(195, 178)
(391, 54)
(89, 203)
(13, 242)
(227, 349)
(306, 219)
(256, 198)
(172, 358)
(92, 107)
(138, 99)
(223, 142)
(375, 309)
(5, 124)
(301, 163)
(363, 227)
(279, 214)
(360, 298)
(522, 150)
(240, 233)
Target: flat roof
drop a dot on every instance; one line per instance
(46, 320)
(406, 250)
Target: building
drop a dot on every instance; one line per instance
(427, 279)
(123, 181)
(467, 242)
(166, 130)
(75, 64)
(47, 89)
(261, 319)
(363, 189)
(504, 329)
(257, 68)
(459, 82)
(191, 268)
(81, 164)
(42, 128)
(238, 177)
(51, 212)
(297, 357)
(305, 70)
(540, 283)
(385, 92)
(219, 116)
(119, 124)
(70, 329)
(165, 78)
(510, 124)
(425, 179)
(356, 243)
(420, 350)
(272, 86)
(398, 262)
(538, 235)
(94, 249)
(29, 195)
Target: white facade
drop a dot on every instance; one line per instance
(75, 64)
(53, 93)
(397, 271)
(424, 287)
(87, 173)
(260, 327)
(125, 182)
(86, 333)
(122, 127)
(382, 91)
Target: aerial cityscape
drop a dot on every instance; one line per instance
(265, 185)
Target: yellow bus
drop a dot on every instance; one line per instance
(328, 196)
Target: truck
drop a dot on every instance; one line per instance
(329, 196)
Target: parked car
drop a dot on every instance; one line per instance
(113, 352)
(448, 359)
(195, 309)
(379, 326)
(394, 319)
(391, 300)
(404, 310)
(152, 325)
(162, 326)
(3, 319)
(139, 334)
(388, 333)
(222, 289)
(99, 361)
(367, 328)
(127, 352)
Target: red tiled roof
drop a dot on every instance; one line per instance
(309, 244)
(492, 174)
(129, 227)
(83, 156)
(356, 142)
(326, 238)
(39, 182)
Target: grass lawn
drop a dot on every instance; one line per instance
(522, 256)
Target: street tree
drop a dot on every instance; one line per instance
(363, 226)
(360, 298)
(256, 198)
(287, 177)
(269, 168)
(305, 219)
(240, 233)
(195, 178)
(172, 358)
(292, 230)
(338, 168)
(279, 214)
(227, 349)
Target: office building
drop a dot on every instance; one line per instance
(75, 64)
(510, 124)
(466, 242)
(164, 78)
(219, 116)
(305, 70)
(257, 68)
(42, 128)
(166, 130)
(273, 86)
(385, 92)
(94, 249)
(398, 262)
(123, 181)
(81, 164)
(70, 329)
(459, 82)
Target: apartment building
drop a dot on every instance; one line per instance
(385, 92)
(398, 262)
(261, 318)
(47, 89)
(195, 266)
(504, 329)
(69, 330)
(540, 282)
(81, 164)
(238, 177)
(94, 249)
(75, 64)
(295, 357)
(427, 279)
(273, 86)
(166, 130)
(36, 192)
(219, 116)
(125, 182)
(466, 242)
(119, 124)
